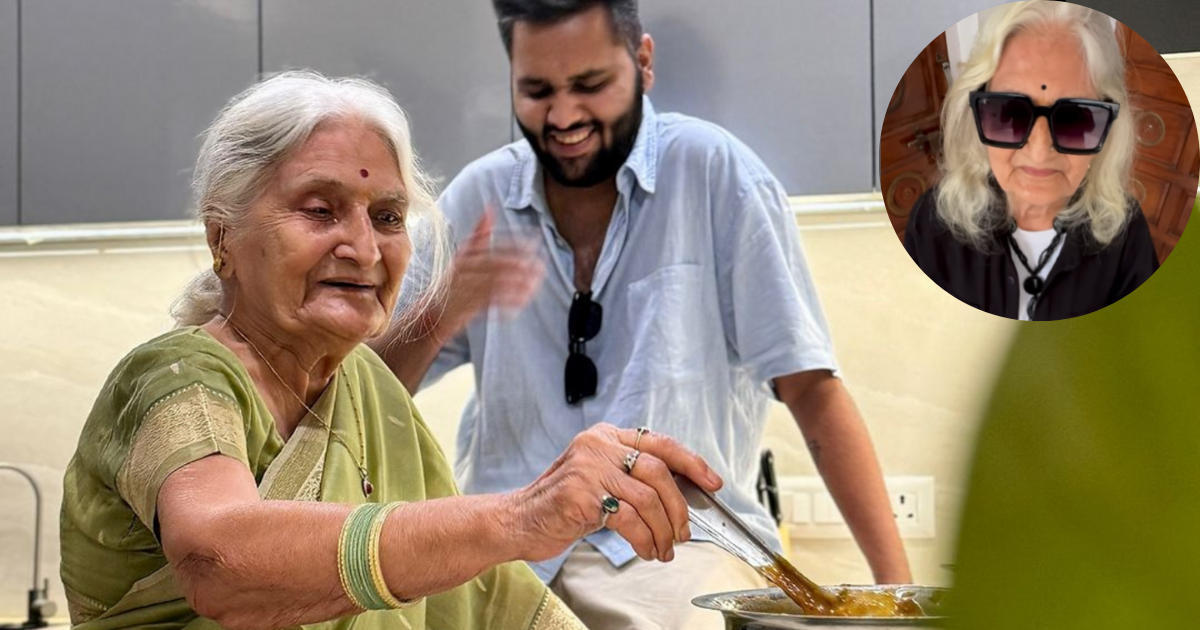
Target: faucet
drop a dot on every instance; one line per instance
(40, 605)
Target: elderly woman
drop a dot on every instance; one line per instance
(259, 467)
(1031, 218)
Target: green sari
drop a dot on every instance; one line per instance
(185, 396)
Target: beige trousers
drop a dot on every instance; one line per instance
(651, 595)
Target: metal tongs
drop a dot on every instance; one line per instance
(713, 517)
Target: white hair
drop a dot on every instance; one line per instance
(964, 196)
(259, 129)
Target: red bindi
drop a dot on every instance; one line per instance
(364, 173)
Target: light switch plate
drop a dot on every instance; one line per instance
(811, 512)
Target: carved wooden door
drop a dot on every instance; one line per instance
(1166, 170)
(911, 140)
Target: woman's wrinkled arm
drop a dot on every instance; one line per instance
(249, 563)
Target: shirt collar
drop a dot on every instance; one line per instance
(640, 168)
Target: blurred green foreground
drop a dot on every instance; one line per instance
(1084, 502)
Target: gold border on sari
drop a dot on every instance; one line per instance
(297, 472)
(553, 614)
(180, 428)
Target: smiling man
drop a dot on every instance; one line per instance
(676, 297)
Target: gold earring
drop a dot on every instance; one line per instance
(218, 259)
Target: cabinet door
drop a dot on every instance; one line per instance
(443, 61)
(1167, 166)
(790, 79)
(8, 112)
(911, 142)
(903, 29)
(114, 96)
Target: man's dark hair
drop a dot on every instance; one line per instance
(622, 16)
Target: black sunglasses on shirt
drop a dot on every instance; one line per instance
(1078, 126)
(583, 324)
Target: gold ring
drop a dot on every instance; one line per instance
(630, 459)
(638, 440)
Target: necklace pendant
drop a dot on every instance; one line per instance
(1033, 285)
(367, 487)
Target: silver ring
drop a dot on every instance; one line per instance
(638, 440)
(630, 459)
(609, 505)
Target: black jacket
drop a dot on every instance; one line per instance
(1085, 278)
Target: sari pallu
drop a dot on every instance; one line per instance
(184, 396)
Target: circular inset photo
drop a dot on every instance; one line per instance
(1039, 160)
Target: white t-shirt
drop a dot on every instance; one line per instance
(1032, 244)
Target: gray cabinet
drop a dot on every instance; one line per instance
(791, 79)
(8, 112)
(102, 105)
(113, 97)
(443, 61)
(902, 29)
(1170, 26)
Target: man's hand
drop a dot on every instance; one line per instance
(489, 270)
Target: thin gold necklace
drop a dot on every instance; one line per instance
(367, 488)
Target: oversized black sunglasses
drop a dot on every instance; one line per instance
(583, 323)
(1078, 126)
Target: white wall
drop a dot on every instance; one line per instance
(67, 317)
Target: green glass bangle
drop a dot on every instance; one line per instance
(354, 557)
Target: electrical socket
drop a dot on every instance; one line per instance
(913, 505)
(904, 506)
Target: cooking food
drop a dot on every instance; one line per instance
(710, 515)
(838, 601)
(771, 609)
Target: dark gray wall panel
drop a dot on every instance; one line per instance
(1171, 26)
(8, 112)
(443, 61)
(114, 96)
(903, 28)
(791, 79)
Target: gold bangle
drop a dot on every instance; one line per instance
(381, 586)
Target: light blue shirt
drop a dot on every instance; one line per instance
(706, 298)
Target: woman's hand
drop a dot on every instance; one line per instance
(563, 505)
(486, 271)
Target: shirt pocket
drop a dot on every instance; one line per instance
(671, 328)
